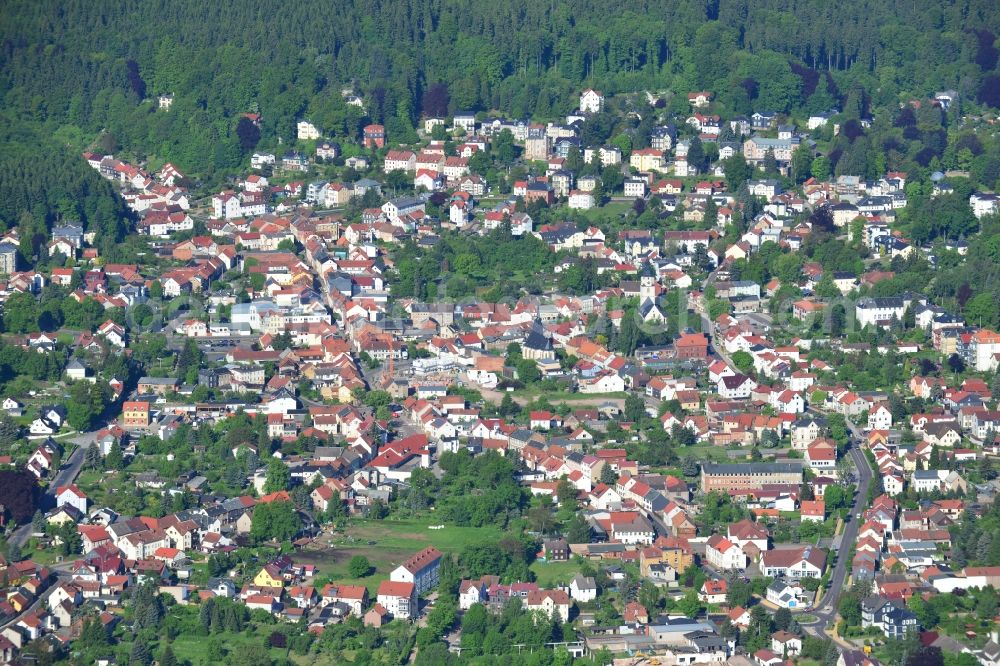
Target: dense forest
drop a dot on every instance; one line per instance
(88, 70)
(72, 77)
(42, 183)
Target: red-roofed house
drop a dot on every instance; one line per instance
(814, 510)
(724, 554)
(72, 496)
(714, 591)
(399, 599)
(422, 570)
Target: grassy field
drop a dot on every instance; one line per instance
(706, 452)
(613, 210)
(550, 574)
(98, 484)
(191, 649)
(555, 397)
(385, 543)
(47, 556)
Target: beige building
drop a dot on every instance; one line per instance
(8, 258)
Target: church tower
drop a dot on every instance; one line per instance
(647, 284)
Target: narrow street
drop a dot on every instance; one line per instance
(707, 327)
(66, 475)
(826, 607)
(60, 574)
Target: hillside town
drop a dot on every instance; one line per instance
(696, 402)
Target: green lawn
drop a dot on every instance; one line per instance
(550, 574)
(192, 649)
(555, 397)
(415, 533)
(46, 556)
(613, 209)
(707, 452)
(98, 484)
(668, 471)
(392, 542)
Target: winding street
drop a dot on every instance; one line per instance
(66, 475)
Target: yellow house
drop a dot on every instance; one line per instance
(676, 558)
(876, 437)
(135, 414)
(19, 602)
(646, 159)
(694, 214)
(60, 518)
(269, 576)
(739, 250)
(345, 395)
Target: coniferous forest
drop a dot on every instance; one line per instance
(74, 70)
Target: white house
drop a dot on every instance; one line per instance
(632, 528)
(580, 200)
(307, 131)
(458, 213)
(397, 208)
(785, 643)
(72, 496)
(13, 407)
(714, 591)
(821, 456)
(75, 370)
(785, 594)
(798, 562)
(422, 570)
(583, 588)
(260, 160)
(43, 426)
(255, 183)
(984, 204)
(549, 602)
(724, 554)
(892, 484)
(879, 417)
(746, 532)
(635, 187)
(226, 205)
(471, 592)
(879, 311)
(400, 599)
(400, 160)
(465, 121)
(605, 382)
(591, 101)
(113, 333)
(735, 387)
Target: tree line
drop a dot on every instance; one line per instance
(92, 71)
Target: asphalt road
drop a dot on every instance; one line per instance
(826, 609)
(60, 576)
(66, 475)
(707, 326)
